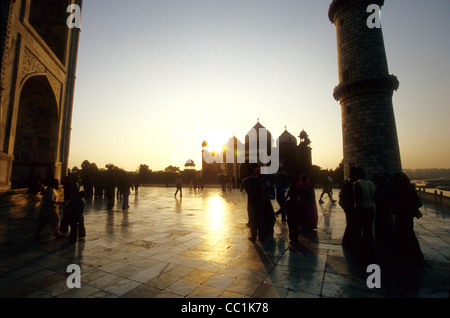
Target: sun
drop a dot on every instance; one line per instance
(216, 140)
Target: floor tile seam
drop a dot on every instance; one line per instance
(17, 269)
(149, 283)
(33, 281)
(268, 274)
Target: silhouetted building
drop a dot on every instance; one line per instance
(294, 157)
(38, 63)
(365, 90)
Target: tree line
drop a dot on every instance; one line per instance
(90, 173)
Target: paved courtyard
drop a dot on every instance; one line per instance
(198, 247)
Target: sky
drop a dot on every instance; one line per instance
(155, 78)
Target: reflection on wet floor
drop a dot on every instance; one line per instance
(196, 246)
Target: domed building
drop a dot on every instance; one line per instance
(294, 156)
(190, 164)
(288, 153)
(252, 143)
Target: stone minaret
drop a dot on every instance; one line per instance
(365, 90)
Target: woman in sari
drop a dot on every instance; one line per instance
(307, 203)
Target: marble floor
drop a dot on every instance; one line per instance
(198, 247)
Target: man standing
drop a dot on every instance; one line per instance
(347, 202)
(254, 200)
(364, 191)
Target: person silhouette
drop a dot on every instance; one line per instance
(281, 195)
(293, 211)
(266, 215)
(74, 217)
(125, 188)
(406, 204)
(179, 185)
(327, 189)
(254, 191)
(383, 209)
(347, 202)
(49, 211)
(307, 203)
(364, 191)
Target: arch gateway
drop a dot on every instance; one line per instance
(38, 63)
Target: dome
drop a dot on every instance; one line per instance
(257, 127)
(303, 134)
(287, 138)
(204, 144)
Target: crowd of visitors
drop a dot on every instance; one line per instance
(388, 205)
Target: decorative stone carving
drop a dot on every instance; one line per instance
(32, 65)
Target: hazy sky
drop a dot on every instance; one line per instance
(157, 77)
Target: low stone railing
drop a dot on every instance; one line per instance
(435, 197)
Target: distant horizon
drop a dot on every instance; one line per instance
(196, 164)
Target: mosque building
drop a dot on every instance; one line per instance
(294, 157)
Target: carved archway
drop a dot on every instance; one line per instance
(36, 140)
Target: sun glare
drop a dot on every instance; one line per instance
(216, 140)
(216, 211)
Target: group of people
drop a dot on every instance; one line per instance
(297, 204)
(124, 185)
(389, 205)
(73, 212)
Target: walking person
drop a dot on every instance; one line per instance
(179, 185)
(327, 189)
(281, 196)
(49, 211)
(406, 204)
